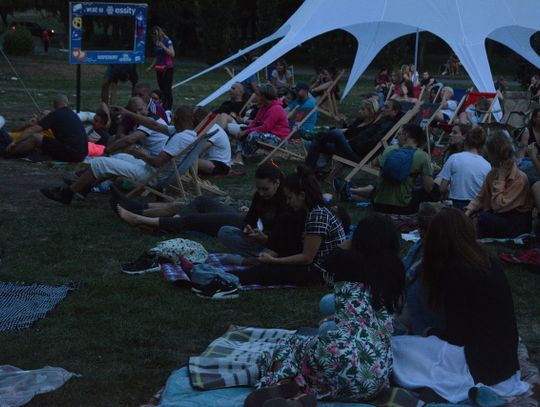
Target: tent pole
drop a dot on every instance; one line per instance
(416, 49)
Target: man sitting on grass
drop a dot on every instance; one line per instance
(137, 164)
(70, 142)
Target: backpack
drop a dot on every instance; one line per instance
(397, 166)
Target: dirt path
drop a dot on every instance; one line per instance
(22, 180)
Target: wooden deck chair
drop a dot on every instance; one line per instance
(366, 163)
(469, 99)
(328, 106)
(425, 117)
(247, 104)
(439, 88)
(192, 176)
(292, 112)
(170, 173)
(201, 130)
(447, 127)
(280, 148)
(229, 71)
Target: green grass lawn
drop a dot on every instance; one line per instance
(125, 334)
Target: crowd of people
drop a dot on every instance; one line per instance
(448, 295)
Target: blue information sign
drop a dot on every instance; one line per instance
(79, 54)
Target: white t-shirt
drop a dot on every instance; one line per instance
(449, 111)
(282, 82)
(174, 146)
(154, 141)
(476, 116)
(466, 173)
(221, 146)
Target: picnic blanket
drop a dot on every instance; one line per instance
(21, 305)
(237, 350)
(179, 274)
(18, 387)
(529, 257)
(230, 360)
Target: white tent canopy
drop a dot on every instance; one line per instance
(463, 24)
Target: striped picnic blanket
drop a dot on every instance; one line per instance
(21, 305)
(230, 360)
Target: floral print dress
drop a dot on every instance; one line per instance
(352, 363)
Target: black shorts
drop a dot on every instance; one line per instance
(60, 152)
(220, 168)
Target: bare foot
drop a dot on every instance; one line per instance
(238, 159)
(130, 217)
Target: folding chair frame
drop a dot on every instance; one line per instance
(372, 154)
(145, 187)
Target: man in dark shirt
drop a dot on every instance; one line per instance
(70, 142)
(236, 102)
(354, 142)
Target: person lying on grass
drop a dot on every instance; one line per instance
(245, 234)
(136, 164)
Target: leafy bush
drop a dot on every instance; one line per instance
(18, 42)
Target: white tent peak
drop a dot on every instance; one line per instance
(463, 24)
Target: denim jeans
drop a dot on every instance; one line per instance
(203, 215)
(330, 142)
(236, 241)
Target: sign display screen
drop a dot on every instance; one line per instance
(107, 33)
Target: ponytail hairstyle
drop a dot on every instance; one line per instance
(375, 244)
(500, 149)
(304, 181)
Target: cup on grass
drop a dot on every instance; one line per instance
(327, 197)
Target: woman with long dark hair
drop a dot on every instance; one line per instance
(469, 289)
(353, 362)
(208, 215)
(322, 230)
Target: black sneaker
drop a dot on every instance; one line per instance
(218, 289)
(59, 194)
(79, 195)
(146, 263)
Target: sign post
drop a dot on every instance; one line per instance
(81, 53)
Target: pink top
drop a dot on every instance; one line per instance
(271, 118)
